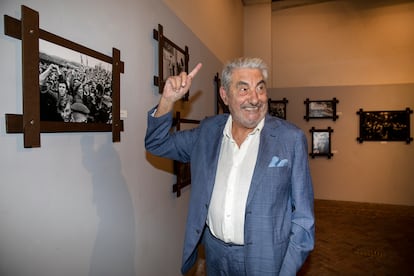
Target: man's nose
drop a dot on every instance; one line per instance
(254, 96)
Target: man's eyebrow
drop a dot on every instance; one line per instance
(239, 83)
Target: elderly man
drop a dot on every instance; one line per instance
(251, 201)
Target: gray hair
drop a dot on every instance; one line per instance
(243, 62)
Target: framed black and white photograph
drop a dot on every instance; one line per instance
(277, 108)
(67, 87)
(386, 125)
(321, 142)
(74, 87)
(321, 109)
(172, 59)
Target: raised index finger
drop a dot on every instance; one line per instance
(195, 70)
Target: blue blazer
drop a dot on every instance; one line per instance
(279, 223)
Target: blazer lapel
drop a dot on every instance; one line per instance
(216, 133)
(268, 138)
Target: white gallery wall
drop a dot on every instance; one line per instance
(218, 24)
(80, 204)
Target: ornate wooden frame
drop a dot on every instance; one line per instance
(321, 109)
(29, 123)
(386, 125)
(177, 56)
(321, 142)
(182, 170)
(277, 108)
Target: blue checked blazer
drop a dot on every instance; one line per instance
(279, 223)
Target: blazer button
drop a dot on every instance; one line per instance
(198, 231)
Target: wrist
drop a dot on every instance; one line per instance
(164, 106)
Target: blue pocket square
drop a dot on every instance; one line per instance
(277, 162)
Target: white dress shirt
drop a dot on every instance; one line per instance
(234, 174)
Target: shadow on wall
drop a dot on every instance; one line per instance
(114, 249)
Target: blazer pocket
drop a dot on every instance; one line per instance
(278, 178)
(279, 173)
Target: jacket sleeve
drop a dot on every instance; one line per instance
(302, 232)
(161, 141)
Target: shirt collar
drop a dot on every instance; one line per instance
(229, 123)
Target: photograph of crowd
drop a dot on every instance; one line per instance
(74, 87)
(173, 61)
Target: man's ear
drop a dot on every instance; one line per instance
(223, 95)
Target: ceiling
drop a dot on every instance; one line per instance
(253, 2)
(283, 4)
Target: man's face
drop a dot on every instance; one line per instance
(62, 89)
(76, 82)
(247, 98)
(80, 91)
(66, 113)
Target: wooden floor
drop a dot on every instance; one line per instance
(357, 239)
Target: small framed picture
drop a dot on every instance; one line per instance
(277, 108)
(221, 107)
(182, 170)
(321, 109)
(391, 125)
(321, 142)
(172, 59)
